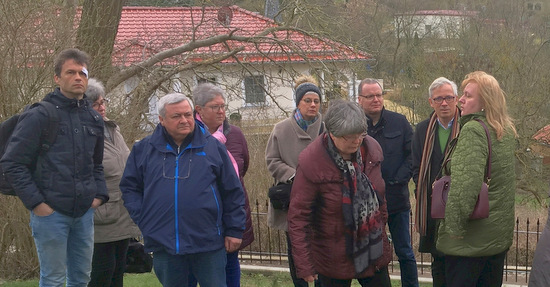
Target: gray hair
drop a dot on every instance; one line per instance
(206, 92)
(369, 81)
(95, 90)
(440, 82)
(172, 98)
(345, 118)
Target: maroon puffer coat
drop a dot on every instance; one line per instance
(316, 223)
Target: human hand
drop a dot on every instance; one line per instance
(232, 244)
(310, 278)
(96, 203)
(42, 210)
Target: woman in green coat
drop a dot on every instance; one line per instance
(475, 249)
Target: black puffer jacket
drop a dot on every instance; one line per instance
(70, 175)
(394, 134)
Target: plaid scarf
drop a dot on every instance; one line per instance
(421, 218)
(301, 121)
(360, 207)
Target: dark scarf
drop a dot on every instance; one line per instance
(424, 175)
(361, 211)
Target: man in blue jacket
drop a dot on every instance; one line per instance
(64, 185)
(394, 134)
(181, 189)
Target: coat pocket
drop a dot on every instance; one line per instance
(107, 213)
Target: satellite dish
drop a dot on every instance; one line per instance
(225, 15)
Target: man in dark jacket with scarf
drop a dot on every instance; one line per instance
(181, 189)
(64, 185)
(394, 133)
(430, 142)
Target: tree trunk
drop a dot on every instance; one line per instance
(96, 34)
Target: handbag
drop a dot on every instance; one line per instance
(137, 259)
(441, 187)
(279, 195)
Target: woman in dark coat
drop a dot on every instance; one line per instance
(338, 213)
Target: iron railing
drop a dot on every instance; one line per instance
(270, 249)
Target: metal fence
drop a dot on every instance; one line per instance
(270, 249)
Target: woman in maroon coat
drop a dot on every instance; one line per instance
(337, 213)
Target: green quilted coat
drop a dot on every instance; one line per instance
(457, 235)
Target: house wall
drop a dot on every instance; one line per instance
(432, 26)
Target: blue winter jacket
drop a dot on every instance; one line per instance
(183, 201)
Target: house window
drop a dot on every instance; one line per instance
(530, 6)
(428, 29)
(538, 7)
(206, 80)
(254, 90)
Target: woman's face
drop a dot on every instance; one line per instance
(213, 112)
(309, 106)
(470, 102)
(348, 144)
(99, 106)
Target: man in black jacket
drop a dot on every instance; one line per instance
(64, 185)
(394, 133)
(430, 142)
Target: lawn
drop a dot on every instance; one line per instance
(249, 279)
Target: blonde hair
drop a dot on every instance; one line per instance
(493, 99)
(305, 79)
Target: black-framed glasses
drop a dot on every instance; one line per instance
(448, 99)
(309, 101)
(371, 97)
(172, 168)
(354, 137)
(103, 102)
(217, 108)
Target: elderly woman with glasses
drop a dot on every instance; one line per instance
(113, 226)
(288, 138)
(210, 108)
(338, 213)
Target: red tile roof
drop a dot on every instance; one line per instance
(145, 31)
(543, 135)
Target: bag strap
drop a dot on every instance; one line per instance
(452, 146)
(488, 166)
(50, 134)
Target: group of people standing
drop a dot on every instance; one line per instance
(181, 187)
(350, 169)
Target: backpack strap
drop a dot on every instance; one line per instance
(49, 135)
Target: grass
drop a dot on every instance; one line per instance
(248, 279)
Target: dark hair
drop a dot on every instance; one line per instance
(78, 56)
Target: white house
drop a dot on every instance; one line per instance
(437, 24)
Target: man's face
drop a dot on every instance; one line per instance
(178, 121)
(371, 99)
(73, 79)
(446, 108)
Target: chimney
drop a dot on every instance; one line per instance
(272, 10)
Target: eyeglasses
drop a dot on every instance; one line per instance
(103, 102)
(352, 138)
(308, 101)
(371, 97)
(217, 108)
(448, 99)
(170, 166)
